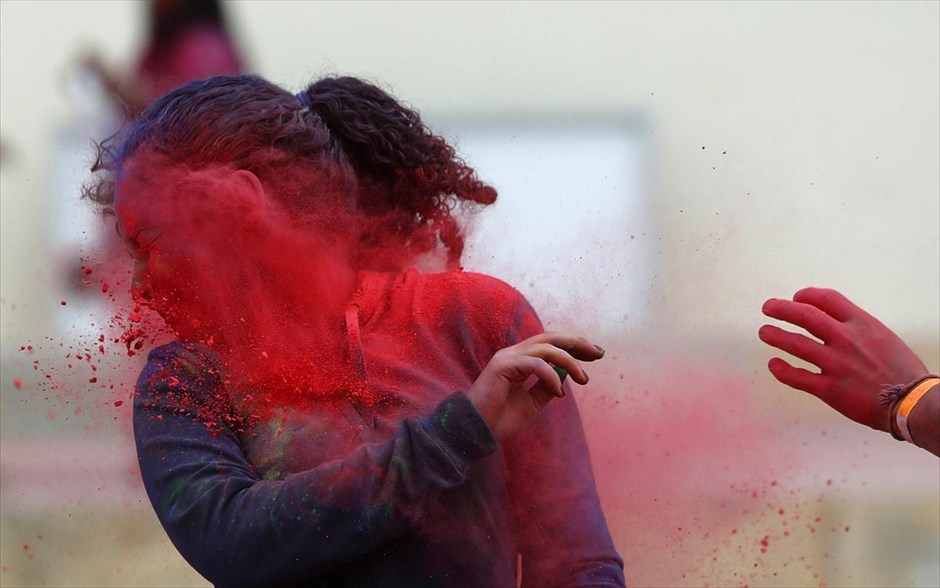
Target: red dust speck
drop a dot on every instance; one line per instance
(63, 302)
(92, 380)
(18, 384)
(118, 402)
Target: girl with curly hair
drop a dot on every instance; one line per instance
(329, 415)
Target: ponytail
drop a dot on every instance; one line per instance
(408, 177)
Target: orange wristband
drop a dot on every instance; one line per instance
(909, 402)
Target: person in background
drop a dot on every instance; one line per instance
(330, 416)
(866, 372)
(187, 40)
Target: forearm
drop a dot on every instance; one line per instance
(237, 529)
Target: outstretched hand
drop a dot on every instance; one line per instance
(500, 392)
(857, 357)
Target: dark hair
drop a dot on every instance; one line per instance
(341, 135)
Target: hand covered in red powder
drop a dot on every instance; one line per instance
(858, 355)
(499, 393)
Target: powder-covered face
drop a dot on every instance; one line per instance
(226, 265)
(193, 236)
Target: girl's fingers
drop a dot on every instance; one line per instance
(557, 357)
(798, 378)
(807, 316)
(547, 375)
(796, 345)
(578, 347)
(541, 396)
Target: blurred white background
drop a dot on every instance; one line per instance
(780, 145)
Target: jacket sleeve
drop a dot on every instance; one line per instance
(563, 536)
(239, 530)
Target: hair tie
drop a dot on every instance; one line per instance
(305, 106)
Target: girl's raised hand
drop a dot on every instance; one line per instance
(520, 380)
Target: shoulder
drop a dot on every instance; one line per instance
(485, 306)
(477, 291)
(181, 365)
(473, 297)
(184, 379)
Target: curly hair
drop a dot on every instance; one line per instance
(341, 137)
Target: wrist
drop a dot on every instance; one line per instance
(924, 421)
(899, 403)
(911, 402)
(893, 419)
